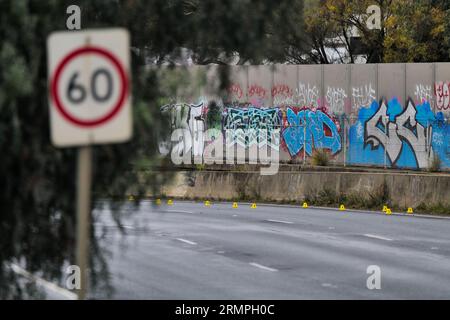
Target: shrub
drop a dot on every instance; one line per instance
(320, 158)
(435, 165)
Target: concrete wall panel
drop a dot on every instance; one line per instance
(336, 89)
(285, 81)
(363, 86)
(442, 88)
(260, 81)
(420, 82)
(391, 81)
(237, 90)
(309, 89)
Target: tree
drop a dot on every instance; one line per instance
(411, 31)
(37, 214)
(416, 32)
(332, 23)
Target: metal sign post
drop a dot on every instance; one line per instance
(84, 177)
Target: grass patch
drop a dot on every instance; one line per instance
(437, 209)
(354, 200)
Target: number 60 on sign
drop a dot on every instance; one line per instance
(89, 89)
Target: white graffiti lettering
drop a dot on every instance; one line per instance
(335, 99)
(363, 96)
(308, 96)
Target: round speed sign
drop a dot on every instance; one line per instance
(89, 86)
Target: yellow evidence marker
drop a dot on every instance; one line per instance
(410, 211)
(235, 205)
(388, 211)
(158, 202)
(253, 206)
(305, 205)
(170, 202)
(207, 203)
(385, 208)
(342, 208)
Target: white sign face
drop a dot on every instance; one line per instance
(89, 87)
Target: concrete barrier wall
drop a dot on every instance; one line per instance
(390, 115)
(404, 190)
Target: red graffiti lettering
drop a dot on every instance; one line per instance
(256, 90)
(442, 90)
(282, 90)
(236, 90)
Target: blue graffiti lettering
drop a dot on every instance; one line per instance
(310, 129)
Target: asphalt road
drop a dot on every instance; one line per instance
(189, 251)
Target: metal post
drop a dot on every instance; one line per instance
(386, 141)
(345, 143)
(428, 142)
(84, 172)
(304, 143)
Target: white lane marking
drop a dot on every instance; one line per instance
(280, 221)
(373, 236)
(187, 241)
(113, 226)
(44, 283)
(260, 266)
(180, 211)
(329, 285)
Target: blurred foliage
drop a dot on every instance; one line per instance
(214, 118)
(37, 211)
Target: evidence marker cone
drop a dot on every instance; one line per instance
(158, 202)
(305, 205)
(410, 211)
(388, 211)
(170, 202)
(235, 205)
(207, 203)
(342, 208)
(385, 208)
(253, 206)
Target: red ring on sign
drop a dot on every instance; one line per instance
(123, 94)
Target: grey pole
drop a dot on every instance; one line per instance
(84, 177)
(304, 143)
(345, 142)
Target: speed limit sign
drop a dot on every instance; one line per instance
(89, 87)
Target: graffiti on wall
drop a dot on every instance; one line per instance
(235, 91)
(363, 96)
(335, 99)
(283, 95)
(387, 133)
(243, 124)
(423, 93)
(442, 95)
(307, 95)
(305, 129)
(191, 118)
